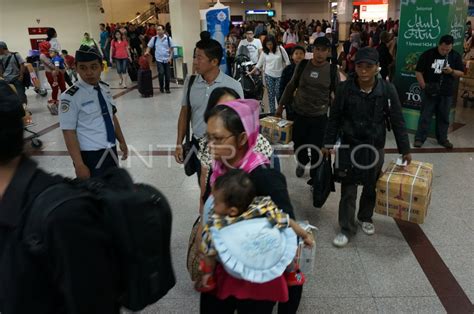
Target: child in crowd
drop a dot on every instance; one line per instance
(70, 62)
(57, 60)
(235, 201)
(297, 55)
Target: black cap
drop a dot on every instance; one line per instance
(368, 55)
(322, 41)
(86, 54)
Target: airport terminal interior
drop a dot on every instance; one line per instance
(405, 267)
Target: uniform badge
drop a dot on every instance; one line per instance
(64, 107)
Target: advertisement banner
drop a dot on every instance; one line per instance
(422, 23)
(218, 23)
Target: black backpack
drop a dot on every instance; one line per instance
(138, 219)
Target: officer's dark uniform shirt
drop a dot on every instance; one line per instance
(80, 111)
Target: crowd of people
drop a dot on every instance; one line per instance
(241, 189)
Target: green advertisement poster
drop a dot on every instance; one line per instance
(422, 23)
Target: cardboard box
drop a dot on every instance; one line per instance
(469, 69)
(276, 130)
(466, 87)
(405, 192)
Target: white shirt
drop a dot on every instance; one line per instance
(80, 111)
(289, 38)
(273, 62)
(253, 47)
(317, 35)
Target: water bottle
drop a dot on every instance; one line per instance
(307, 255)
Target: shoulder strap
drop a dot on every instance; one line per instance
(386, 105)
(7, 62)
(16, 59)
(332, 87)
(168, 39)
(300, 69)
(188, 104)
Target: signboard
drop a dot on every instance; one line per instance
(218, 23)
(370, 2)
(374, 12)
(422, 23)
(37, 30)
(270, 13)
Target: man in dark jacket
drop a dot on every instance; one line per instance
(77, 272)
(359, 116)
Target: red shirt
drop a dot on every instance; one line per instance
(119, 49)
(151, 32)
(227, 286)
(70, 61)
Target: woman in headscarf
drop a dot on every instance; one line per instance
(232, 133)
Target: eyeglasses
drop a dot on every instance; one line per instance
(217, 140)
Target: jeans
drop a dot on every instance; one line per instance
(121, 65)
(308, 131)
(164, 74)
(440, 106)
(347, 205)
(273, 87)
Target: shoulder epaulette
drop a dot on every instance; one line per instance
(104, 83)
(72, 90)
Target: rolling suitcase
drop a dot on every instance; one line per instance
(145, 83)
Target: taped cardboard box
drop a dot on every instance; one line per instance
(405, 192)
(276, 130)
(469, 72)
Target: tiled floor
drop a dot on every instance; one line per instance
(377, 274)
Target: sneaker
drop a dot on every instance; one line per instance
(295, 278)
(446, 144)
(367, 227)
(299, 171)
(340, 240)
(168, 91)
(162, 90)
(418, 143)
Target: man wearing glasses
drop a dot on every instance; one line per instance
(253, 45)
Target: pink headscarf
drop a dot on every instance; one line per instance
(247, 109)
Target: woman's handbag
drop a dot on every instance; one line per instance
(192, 259)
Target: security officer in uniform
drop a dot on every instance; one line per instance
(88, 119)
